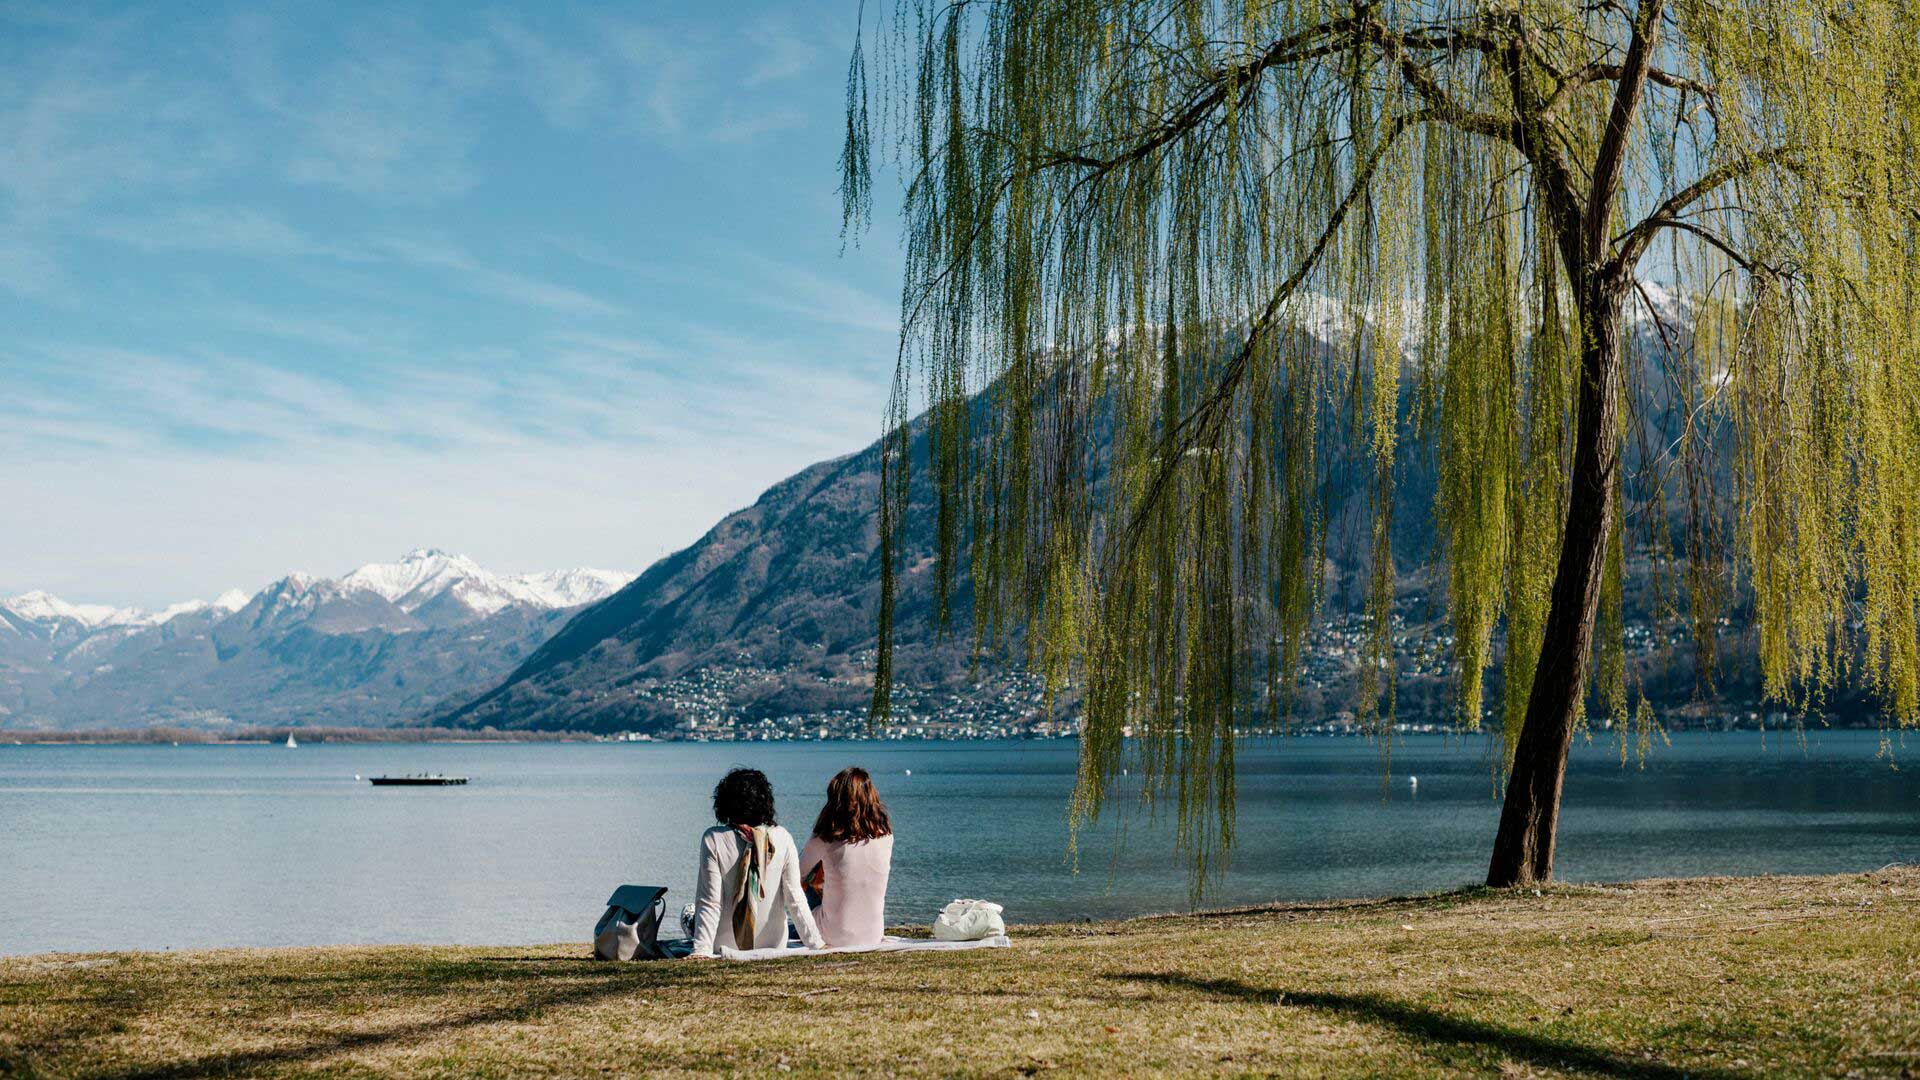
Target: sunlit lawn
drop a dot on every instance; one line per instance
(1708, 978)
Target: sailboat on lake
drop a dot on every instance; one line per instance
(291, 745)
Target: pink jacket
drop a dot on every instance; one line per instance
(854, 908)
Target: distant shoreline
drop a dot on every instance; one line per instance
(269, 736)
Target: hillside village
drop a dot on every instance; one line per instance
(709, 702)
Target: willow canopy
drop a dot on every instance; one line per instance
(1135, 226)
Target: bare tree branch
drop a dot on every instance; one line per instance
(1397, 47)
(1631, 243)
(1321, 40)
(1594, 73)
(1742, 261)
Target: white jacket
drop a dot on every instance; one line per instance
(718, 889)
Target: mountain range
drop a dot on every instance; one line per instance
(772, 613)
(378, 645)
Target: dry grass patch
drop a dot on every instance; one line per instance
(1702, 978)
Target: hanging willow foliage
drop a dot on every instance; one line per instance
(1180, 245)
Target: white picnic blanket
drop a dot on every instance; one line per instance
(887, 944)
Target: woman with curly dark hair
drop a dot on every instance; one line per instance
(749, 881)
(847, 862)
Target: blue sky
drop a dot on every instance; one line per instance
(305, 286)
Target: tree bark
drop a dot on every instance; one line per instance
(1523, 849)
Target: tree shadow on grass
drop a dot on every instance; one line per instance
(1441, 1030)
(1437, 901)
(603, 982)
(102, 1021)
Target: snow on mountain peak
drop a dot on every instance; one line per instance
(1668, 303)
(420, 577)
(566, 588)
(294, 590)
(172, 611)
(40, 605)
(426, 574)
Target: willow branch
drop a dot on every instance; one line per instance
(1308, 44)
(1398, 47)
(1593, 73)
(1742, 261)
(1324, 39)
(1203, 423)
(1631, 243)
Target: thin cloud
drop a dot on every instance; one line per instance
(254, 233)
(388, 118)
(77, 127)
(576, 389)
(798, 290)
(237, 230)
(31, 272)
(780, 54)
(207, 524)
(288, 295)
(738, 126)
(660, 76)
(567, 84)
(468, 274)
(357, 333)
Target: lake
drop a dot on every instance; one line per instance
(157, 847)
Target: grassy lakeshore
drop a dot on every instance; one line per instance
(1705, 978)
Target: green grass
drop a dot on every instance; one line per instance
(1705, 978)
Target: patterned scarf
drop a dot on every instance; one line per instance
(753, 881)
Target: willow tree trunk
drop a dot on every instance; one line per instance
(1523, 849)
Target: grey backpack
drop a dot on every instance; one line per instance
(630, 930)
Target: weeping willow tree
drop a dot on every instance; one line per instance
(1135, 225)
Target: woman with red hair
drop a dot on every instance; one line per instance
(846, 862)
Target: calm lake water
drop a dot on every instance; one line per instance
(154, 847)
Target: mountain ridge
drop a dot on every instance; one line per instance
(773, 613)
(375, 645)
(431, 570)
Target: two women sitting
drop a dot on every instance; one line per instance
(751, 874)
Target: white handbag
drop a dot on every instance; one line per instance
(969, 920)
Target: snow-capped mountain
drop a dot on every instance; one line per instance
(419, 578)
(230, 601)
(39, 606)
(47, 609)
(422, 575)
(428, 574)
(373, 645)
